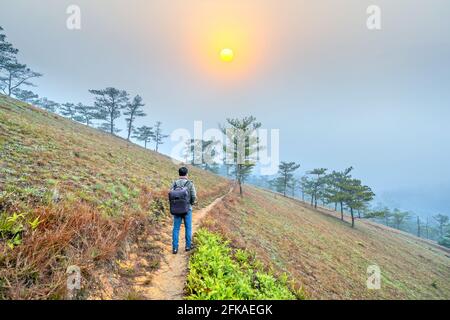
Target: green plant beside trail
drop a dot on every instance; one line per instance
(217, 272)
(13, 226)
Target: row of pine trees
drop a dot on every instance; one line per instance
(108, 106)
(341, 192)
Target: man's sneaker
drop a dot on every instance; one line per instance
(189, 248)
(175, 251)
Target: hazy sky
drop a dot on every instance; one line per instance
(340, 94)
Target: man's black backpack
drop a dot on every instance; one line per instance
(180, 200)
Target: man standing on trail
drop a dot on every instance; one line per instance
(182, 196)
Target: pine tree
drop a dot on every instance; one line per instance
(319, 184)
(209, 153)
(25, 96)
(442, 221)
(243, 147)
(133, 110)
(304, 186)
(356, 196)
(158, 136)
(277, 184)
(334, 192)
(294, 183)
(13, 74)
(47, 104)
(286, 173)
(68, 110)
(383, 213)
(308, 186)
(85, 114)
(7, 51)
(399, 217)
(108, 103)
(144, 134)
(193, 151)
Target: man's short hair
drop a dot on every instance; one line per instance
(183, 171)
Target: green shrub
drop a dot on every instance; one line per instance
(11, 228)
(218, 273)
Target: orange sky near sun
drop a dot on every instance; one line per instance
(213, 26)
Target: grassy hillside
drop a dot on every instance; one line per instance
(325, 255)
(71, 195)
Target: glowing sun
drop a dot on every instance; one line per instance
(226, 55)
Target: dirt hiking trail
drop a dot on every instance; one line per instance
(168, 281)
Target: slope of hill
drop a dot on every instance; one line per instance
(71, 195)
(326, 256)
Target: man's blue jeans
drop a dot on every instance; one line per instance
(177, 220)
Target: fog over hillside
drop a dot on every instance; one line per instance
(340, 94)
(426, 201)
